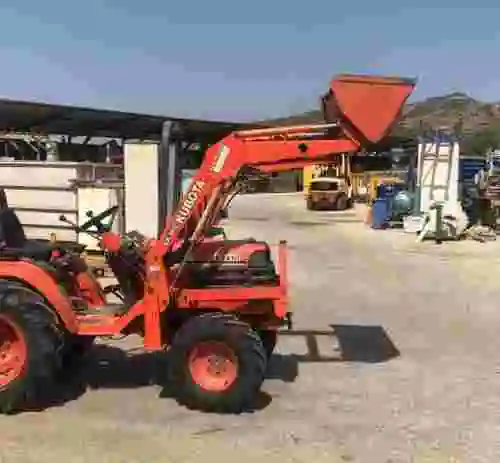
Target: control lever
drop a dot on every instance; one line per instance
(64, 219)
(76, 227)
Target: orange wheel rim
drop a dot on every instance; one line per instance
(13, 351)
(213, 366)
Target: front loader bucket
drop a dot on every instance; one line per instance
(367, 106)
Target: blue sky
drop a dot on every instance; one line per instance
(222, 59)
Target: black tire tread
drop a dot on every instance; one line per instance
(26, 293)
(249, 344)
(43, 339)
(269, 339)
(72, 348)
(341, 204)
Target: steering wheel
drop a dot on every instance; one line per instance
(96, 221)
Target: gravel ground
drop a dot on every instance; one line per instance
(394, 360)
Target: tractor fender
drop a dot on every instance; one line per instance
(42, 282)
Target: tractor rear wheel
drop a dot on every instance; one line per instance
(217, 364)
(72, 347)
(29, 351)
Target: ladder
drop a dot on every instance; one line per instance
(437, 187)
(437, 174)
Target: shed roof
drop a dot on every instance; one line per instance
(44, 118)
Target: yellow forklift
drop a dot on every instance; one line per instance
(328, 186)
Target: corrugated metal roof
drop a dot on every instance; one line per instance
(43, 118)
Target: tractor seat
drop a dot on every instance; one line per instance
(13, 241)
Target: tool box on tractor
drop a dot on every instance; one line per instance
(213, 304)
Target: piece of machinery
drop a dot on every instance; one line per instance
(439, 212)
(392, 204)
(331, 193)
(215, 303)
(486, 200)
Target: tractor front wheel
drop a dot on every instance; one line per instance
(29, 352)
(217, 364)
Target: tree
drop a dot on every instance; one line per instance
(481, 141)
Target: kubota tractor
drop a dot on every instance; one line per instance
(214, 304)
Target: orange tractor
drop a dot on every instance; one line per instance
(215, 304)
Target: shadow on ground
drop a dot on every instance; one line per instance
(354, 343)
(113, 368)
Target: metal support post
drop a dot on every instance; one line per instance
(169, 175)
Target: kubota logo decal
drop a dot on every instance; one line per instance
(221, 256)
(189, 202)
(184, 211)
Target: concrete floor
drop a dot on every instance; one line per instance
(395, 361)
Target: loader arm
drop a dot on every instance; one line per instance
(358, 111)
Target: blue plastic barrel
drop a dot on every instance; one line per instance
(380, 214)
(389, 190)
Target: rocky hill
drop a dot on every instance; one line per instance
(480, 120)
(449, 110)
